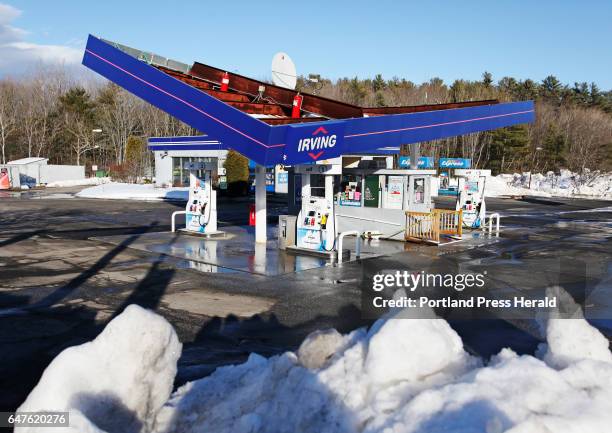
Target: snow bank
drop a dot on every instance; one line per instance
(79, 182)
(130, 191)
(565, 184)
(501, 185)
(569, 338)
(403, 375)
(116, 382)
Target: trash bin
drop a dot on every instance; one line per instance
(286, 231)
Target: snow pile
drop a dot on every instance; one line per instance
(79, 182)
(130, 191)
(569, 337)
(500, 186)
(116, 382)
(566, 184)
(403, 375)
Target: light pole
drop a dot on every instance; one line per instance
(95, 146)
(532, 164)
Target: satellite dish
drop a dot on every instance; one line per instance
(283, 71)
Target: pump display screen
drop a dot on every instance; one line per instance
(471, 186)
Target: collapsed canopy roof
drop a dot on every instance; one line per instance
(194, 101)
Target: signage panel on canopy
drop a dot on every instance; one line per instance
(455, 163)
(311, 142)
(424, 162)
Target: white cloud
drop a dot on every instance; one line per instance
(18, 55)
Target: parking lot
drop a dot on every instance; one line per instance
(59, 286)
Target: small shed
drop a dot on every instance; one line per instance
(34, 171)
(28, 169)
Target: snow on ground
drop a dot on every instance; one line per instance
(79, 182)
(401, 375)
(116, 382)
(565, 184)
(134, 192)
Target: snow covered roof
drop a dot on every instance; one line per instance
(25, 161)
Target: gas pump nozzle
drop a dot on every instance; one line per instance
(324, 221)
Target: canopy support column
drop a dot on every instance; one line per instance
(415, 154)
(260, 204)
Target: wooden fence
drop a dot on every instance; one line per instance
(428, 226)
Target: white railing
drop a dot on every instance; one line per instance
(174, 214)
(496, 216)
(357, 243)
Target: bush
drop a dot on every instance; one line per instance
(119, 172)
(237, 173)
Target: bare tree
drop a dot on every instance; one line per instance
(8, 113)
(118, 118)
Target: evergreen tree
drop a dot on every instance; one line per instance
(357, 91)
(378, 83)
(551, 87)
(487, 79)
(554, 145)
(509, 146)
(237, 173)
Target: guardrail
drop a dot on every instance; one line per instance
(357, 243)
(174, 214)
(450, 221)
(428, 226)
(497, 217)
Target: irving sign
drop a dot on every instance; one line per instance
(313, 142)
(321, 139)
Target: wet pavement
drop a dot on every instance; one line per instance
(238, 252)
(69, 265)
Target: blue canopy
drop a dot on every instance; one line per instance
(294, 143)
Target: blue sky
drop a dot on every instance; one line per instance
(412, 40)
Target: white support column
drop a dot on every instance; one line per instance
(329, 196)
(305, 186)
(329, 188)
(415, 154)
(260, 204)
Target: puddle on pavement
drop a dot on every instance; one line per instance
(237, 252)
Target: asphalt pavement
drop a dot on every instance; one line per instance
(59, 287)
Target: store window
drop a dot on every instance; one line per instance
(350, 190)
(180, 176)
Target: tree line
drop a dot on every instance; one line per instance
(53, 115)
(573, 127)
(49, 113)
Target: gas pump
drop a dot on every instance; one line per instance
(471, 196)
(201, 208)
(418, 197)
(316, 226)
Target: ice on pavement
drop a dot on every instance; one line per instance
(131, 191)
(116, 382)
(401, 375)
